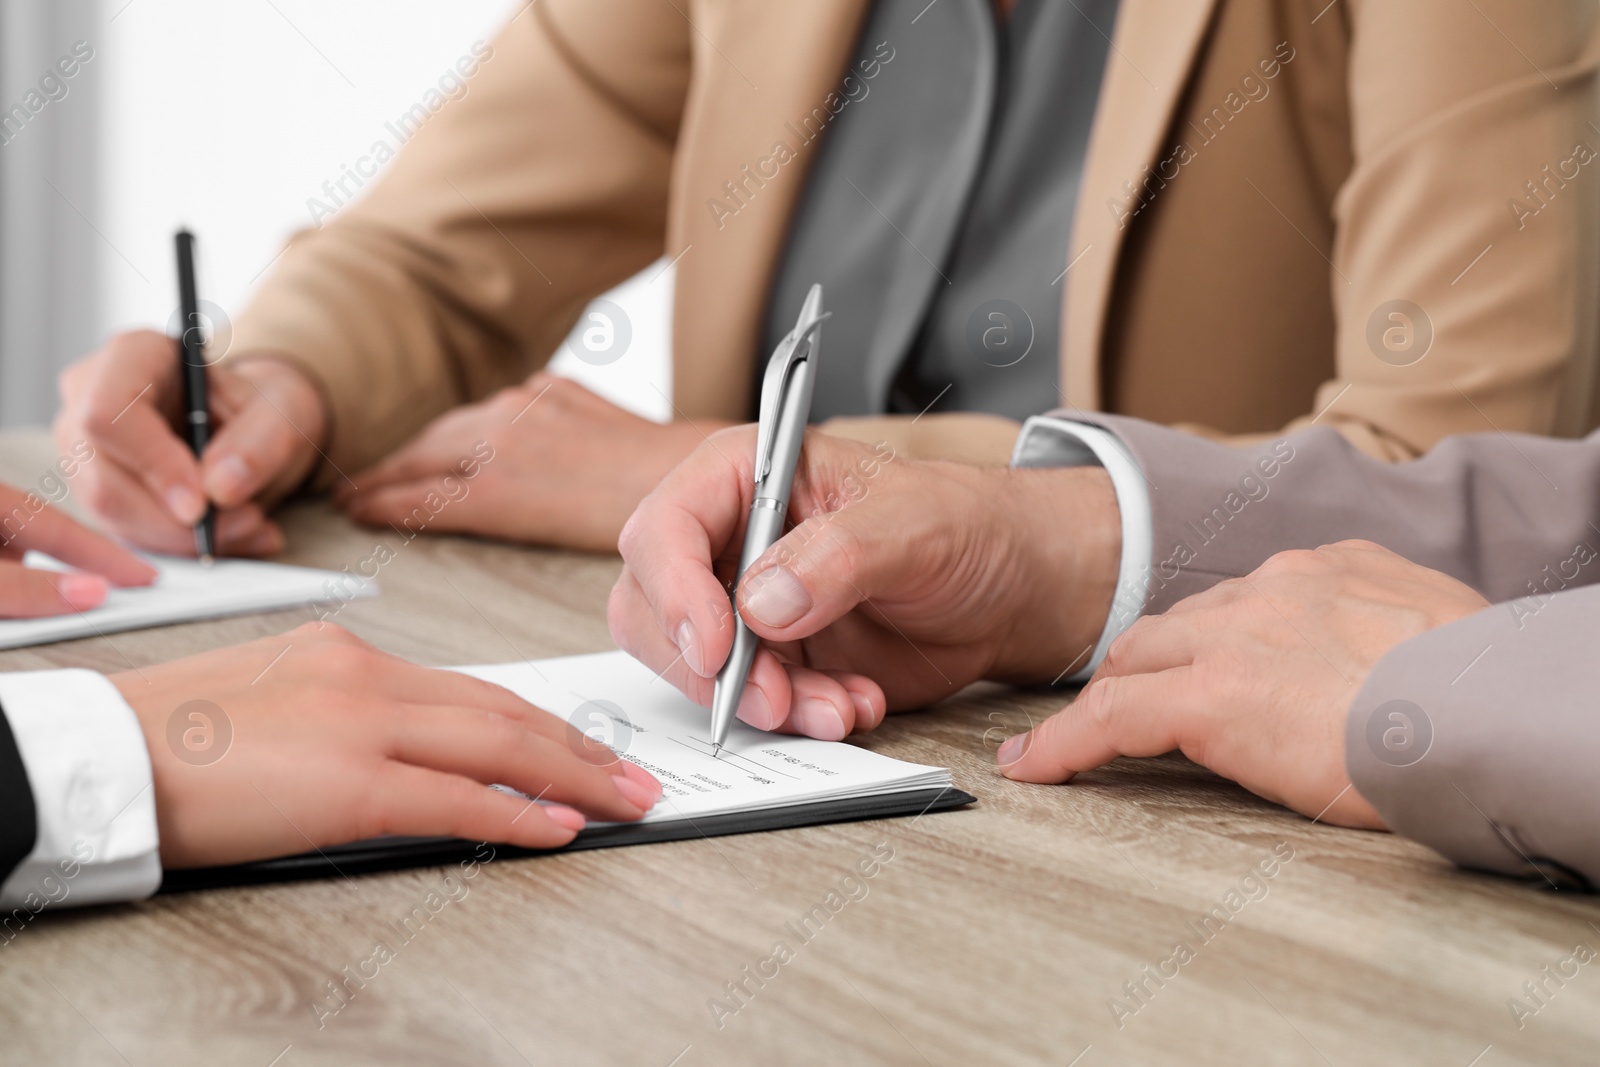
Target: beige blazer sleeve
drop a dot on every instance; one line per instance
(513, 206)
(1471, 197)
(1480, 739)
(1400, 242)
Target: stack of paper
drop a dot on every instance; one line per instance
(615, 699)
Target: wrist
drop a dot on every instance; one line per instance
(127, 683)
(1065, 533)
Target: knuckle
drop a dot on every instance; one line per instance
(1124, 643)
(1097, 703)
(841, 541)
(1293, 561)
(152, 341)
(466, 804)
(379, 810)
(1357, 554)
(98, 496)
(618, 618)
(499, 734)
(1356, 544)
(342, 637)
(729, 441)
(512, 398)
(99, 417)
(633, 535)
(338, 653)
(559, 393)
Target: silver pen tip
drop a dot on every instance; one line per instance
(716, 749)
(207, 560)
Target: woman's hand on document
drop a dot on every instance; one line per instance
(901, 581)
(27, 521)
(315, 738)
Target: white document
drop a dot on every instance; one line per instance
(185, 591)
(615, 699)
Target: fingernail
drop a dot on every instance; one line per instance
(1012, 750)
(690, 647)
(185, 504)
(636, 794)
(563, 816)
(818, 718)
(776, 598)
(642, 776)
(82, 591)
(230, 479)
(863, 710)
(755, 709)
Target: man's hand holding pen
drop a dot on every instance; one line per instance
(900, 582)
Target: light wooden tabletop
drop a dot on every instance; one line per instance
(1003, 933)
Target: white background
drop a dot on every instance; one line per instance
(228, 116)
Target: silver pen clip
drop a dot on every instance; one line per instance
(796, 347)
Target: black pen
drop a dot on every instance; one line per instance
(196, 401)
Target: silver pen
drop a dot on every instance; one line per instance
(785, 411)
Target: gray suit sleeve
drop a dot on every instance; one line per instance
(1514, 516)
(1481, 740)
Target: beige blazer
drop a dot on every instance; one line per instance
(1264, 178)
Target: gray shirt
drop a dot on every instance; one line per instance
(938, 210)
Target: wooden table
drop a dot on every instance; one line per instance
(998, 934)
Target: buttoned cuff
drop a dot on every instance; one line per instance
(1049, 441)
(93, 793)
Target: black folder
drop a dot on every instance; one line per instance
(395, 853)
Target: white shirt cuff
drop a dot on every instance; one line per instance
(1046, 441)
(85, 755)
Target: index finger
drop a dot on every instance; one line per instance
(52, 532)
(1156, 643)
(1141, 715)
(673, 539)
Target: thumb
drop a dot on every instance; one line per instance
(821, 570)
(30, 593)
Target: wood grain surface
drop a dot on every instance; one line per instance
(1001, 934)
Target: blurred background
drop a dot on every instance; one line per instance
(228, 118)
